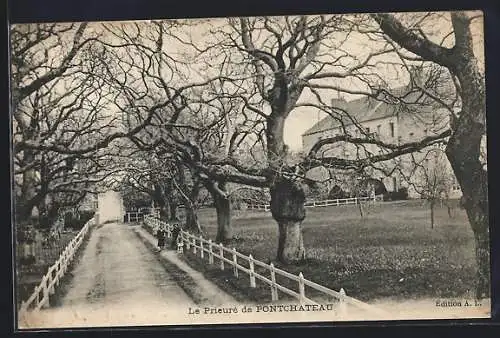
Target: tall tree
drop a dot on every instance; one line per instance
(469, 124)
(63, 114)
(283, 58)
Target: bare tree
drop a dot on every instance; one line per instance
(63, 115)
(283, 58)
(265, 64)
(432, 179)
(469, 123)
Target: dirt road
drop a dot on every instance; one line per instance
(117, 280)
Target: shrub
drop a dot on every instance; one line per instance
(337, 193)
(401, 194)
(77, 221)
(28, 260)
(25, 233)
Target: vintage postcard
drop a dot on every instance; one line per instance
(273, 169)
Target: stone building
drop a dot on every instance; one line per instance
(390, 121)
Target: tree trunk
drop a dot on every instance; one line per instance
(223, 208)
(192, 223)
(159, 200)
(360, 206)
(449, 208)
(172, 206)
(224, 228)
(287, 208)
(287, 196)
(432, 213)
(464, 146)
(29, 197)
(474, 189)
(464, 153)
(162, 205)
(164, 212)
(290, 243)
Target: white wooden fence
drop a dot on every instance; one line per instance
(134, 216)
(324, 203)
(40, 296)
(239, 262)
(138, 216)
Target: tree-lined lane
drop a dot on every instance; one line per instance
(117, 281)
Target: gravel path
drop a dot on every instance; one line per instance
(118, 281)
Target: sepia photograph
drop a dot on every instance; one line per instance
(241, 170)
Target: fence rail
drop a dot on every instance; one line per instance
(134, 217)
(40, 296)
(324, 203)
(239, 262)
(138, 216)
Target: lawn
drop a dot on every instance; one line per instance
(390, 252)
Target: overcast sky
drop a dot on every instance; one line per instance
(301, 119)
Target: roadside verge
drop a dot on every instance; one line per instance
(196, 286)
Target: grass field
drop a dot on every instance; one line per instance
(391, 252)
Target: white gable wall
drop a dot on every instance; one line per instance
(111, 207)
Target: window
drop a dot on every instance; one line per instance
(391, 127)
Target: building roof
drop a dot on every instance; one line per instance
(368, 108)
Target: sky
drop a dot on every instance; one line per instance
(301, 119)
(297, 123)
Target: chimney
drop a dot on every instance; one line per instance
(339, 102)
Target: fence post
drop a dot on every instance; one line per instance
(274, 290)
(202, 251)
(338, 202)
(302, 293)
(342, 304)
(235, 263)
(58, 269)
(221, 252)
(51, 286)
(194, 245)
(188, 241)
(252, 271)
(45, 289)
(37, 298)
(128, 217)
(210, 252)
